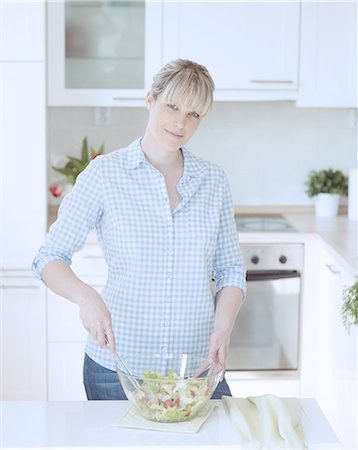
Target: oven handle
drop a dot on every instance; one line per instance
(267, 275)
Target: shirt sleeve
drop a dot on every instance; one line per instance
(78, 214)
(229, 269)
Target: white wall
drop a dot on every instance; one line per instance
(266, 148)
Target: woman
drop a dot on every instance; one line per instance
(164, 220)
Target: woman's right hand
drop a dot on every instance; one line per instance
(97, 320)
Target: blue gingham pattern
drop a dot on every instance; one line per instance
(160, 262)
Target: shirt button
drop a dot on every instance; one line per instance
(164, 348)
(170, 250)
(166, 324)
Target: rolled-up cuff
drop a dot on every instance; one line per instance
(232, 278)
(39, 263)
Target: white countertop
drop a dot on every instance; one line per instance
(339, 233)
(93, 425)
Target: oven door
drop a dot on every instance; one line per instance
(266, 332)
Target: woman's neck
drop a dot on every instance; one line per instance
(164, 160)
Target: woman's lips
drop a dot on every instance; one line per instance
(177, 136)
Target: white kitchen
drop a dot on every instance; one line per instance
(74, 79)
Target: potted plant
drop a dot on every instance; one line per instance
(326, 186)
(349, 308)
(74, 167)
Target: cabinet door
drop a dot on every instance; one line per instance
(328, 62)
(244, 45)
(65, 367)
(22, 31)
(23, 339)
(66, 343)
(102, 53)
(336, 369)
(23, 183)
(241, 387)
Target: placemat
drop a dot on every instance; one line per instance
(132, 419)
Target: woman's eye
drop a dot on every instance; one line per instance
(173, 106)
(194, 114)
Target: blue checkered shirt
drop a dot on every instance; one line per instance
(160, 262)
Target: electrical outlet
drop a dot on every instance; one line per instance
(102, 116)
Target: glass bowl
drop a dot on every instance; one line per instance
(169, 387)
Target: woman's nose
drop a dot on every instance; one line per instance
(180, 121)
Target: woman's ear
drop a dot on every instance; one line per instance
(149, 100)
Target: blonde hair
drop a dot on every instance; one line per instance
(186, 83)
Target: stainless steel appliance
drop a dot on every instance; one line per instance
(266, 333)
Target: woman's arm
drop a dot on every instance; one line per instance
(230, 278)
(228, 302)
(94, 313)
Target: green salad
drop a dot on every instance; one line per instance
(171, 398)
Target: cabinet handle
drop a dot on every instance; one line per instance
(24, 286)
(272, 81)
(332, 268)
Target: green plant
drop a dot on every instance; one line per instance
(326, 181)
(75, 166)
(349, 308)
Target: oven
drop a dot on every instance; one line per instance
(265, 336)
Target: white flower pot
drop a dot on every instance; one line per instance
(326, 205)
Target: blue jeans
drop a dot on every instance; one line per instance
(103, 384)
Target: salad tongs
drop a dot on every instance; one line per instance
(129, 373)
(126, 369)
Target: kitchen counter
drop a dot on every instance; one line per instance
(339, 233)
(93, 425)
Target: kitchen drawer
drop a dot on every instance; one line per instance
(23, 338)
(89, 261)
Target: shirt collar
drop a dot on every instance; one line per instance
(194, 167)
(135, 156)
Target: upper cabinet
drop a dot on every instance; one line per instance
(22, 31)
(102, 53)
(328, 65)
(251, 49)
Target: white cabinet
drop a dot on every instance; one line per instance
(328, 62)
(279, 386)
(65, 366)
(67, 336)
(251, 49)
(23, 337)
(336, 352)
(23, 184)
(22, 31)
(102, 53)
(22, 117)
(23, 199)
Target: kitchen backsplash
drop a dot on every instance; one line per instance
(266, 148)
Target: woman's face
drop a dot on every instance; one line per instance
(171, 125)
